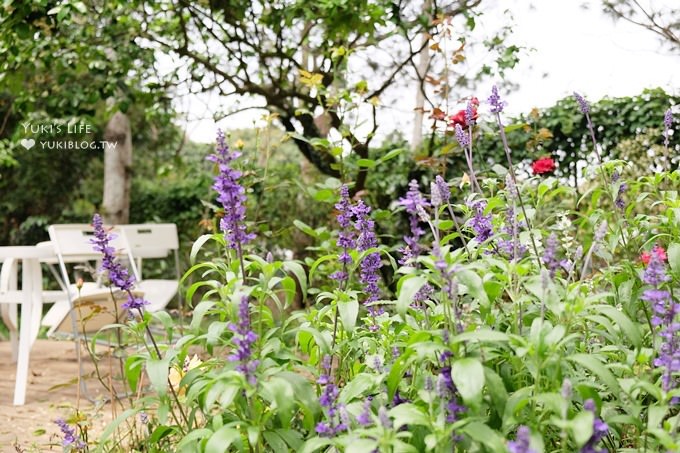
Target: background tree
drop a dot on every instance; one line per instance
(662, 18)
(302, 61)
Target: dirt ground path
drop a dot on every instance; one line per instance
(51, 394)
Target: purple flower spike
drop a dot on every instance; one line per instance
(414, 203)
(495, 101)
(118, 275)
(71, 439)
(231, 195)
(243, 339)
(329, 402)
(346, 237)
(582, 103)
(521, 443)
(462, 137)
(665, 311)
(371, 263)
(480, 223)
(667, 126)
(550, 255)
(600, 430)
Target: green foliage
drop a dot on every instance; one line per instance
(473, 342)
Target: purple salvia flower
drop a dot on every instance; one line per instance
(665, 311)
(655, 273)
(71, 439)
(470, 113)
(521, 443)
(600, 430)
(346, 237)
(397, 399)
(364, 418)
(480, 223)
(329, 402)
(442, 188)
(582, 103)
(243, 339)
(423, 294)
(462, 137)
(448, 393)
(512, 248)
(370, 264)
(495, 101)
(566, 389)
(550, 255)
(231, 195)
(623, 187)
(411, 202)
(384, 418)
(667, 125)
(118, 274)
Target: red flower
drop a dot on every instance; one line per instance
(543, 165)
(659, 251)
(459, 118)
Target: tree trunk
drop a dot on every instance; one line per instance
(423, 64)
(117, 170)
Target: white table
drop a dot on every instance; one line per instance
(30, 298)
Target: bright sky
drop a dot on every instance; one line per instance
(575, 49)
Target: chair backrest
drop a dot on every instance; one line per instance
(72, 243)
(151, 240)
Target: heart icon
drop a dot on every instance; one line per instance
(28, 143)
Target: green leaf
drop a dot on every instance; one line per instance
(629, 330)
(296, 269)
(391, 155)
(468, 375)
(349, 311)
(220, 441)
(158, 374)
(193, 436)
(281, 393)
(275, 442)
(473, 282)
(409, 414)
(410, 285)
(496, 389)
(302, 226)
(197, 245)
(674, 256)
(359, 385)
(486, 436)
(366, 163)
(481, 335)
(582, 427)
(314, 444)
(597, 368)
(113, 426)
(159, 433)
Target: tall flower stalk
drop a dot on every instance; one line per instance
(497, 106)
(413, 202)
(585, 109)
(120, 277)
(667, 126)
(244, 339)
(232, 197)
(665, 311)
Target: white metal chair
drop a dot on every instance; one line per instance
(89, 308)
(154, 241)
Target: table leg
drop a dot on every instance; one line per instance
(28, 286)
